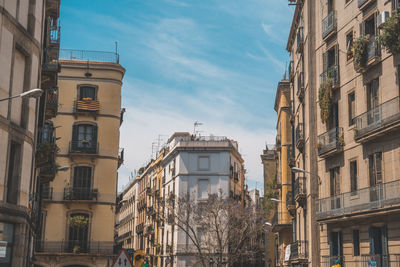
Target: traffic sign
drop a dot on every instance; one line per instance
(122, 260)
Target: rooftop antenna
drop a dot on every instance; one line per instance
(195, 125)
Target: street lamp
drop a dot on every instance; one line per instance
(34, 93)
(63, 168)
(275, 200)
(298, 170)
(268, 224)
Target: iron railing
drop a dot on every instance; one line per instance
(328, 24)
(328, 261)
(377, 260)
(330, 140)
(80, 193)
(373, 197)
(373, 48)
(50, 60)
(299, 134)
(298, 250)
(281, 218)
(383, 114)
(300, 187)
(85, 55)
(54, 34)
(75, 246)
(300, 38)
(83, 146)
(47, 193)
(362, 2)
(333, 73)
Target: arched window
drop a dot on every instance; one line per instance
(84, 138)
(78, 233)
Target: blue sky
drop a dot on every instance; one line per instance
(213, 61)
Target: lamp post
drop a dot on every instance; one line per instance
(34, 93)
(298, 170)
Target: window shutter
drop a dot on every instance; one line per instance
(378, 166)
(94, 135)
(376, 23)
(362, 28)
(331, 244)
(340, 248)
(337, 54)
(384, 240)
(325, 61)
(75, 132)
(371, 241)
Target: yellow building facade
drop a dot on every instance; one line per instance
(282, 221)
(78, 206)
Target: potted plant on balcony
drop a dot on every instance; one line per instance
(78, 222)
(360, 53)
(325, 96)
(389, 36)
(45, 152)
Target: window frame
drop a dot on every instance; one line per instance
(351, 108)
(80, 86)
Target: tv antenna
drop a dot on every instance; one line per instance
(196, 124)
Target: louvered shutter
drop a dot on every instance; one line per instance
(371, 241)
(325, 61)
(94, 136)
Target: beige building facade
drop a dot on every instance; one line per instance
(345, 119)
(79, 205)
(27, 28)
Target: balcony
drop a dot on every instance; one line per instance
(54, 34)
(87, 106)
(300, 136)
(300, 86)
(378, 260)
(378, 121)
(50, 61)
(330, 142)
(120, 157)
(46, 148)
(47, 193)
(300, 189)
(300, 40)
(83, 147)
(363, 3)
(298, 251)
(328, 261)
(291, 70)
(363, 200)
(329, 25)
(80, 193)
(281, 220)
(51, 103)
(139, 228)
(74, 247)
(373, 51)
(332, 73)
(85, 55)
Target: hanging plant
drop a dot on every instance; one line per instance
(389, 36)
(325, 96)
(360, 53)
(78, 221)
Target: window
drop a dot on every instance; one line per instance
(353, 177)
(202, 186)
(352, 105)
(84, 138)
(375, 168)
(356, 242)
(349, 45)
(87, 93)
(203, 163)
(78, 232)
(335, 244)
(14, 169)
(335, 188)
(82, 183)
(378, 243)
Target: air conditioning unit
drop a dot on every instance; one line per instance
(382, 18)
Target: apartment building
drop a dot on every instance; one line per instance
(268, 159)
(187, 164)
(345, 95)
(282, 219)
(27, 28)
(78, 207)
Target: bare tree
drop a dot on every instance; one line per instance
(218, 229)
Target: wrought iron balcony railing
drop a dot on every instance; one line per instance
(47, 193)
(298, 250)
(330, 141)
(75, 246)
(83, 146)
(328, 261)
(375, 197)
(333, 73)
(300, 135)
(300, 188)
(300, 39)
(84, 55)
(51, 102)
(281, 217)
(362, 2)
(385, 114)
(373, 49)
(80, 193)
(54, 34)
(329, 24)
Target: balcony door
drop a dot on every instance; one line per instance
(375, 176)
(373, 101)
(378, 246)
(335, 188)
(84, 138)
(335, 247)
(78, 233)
(82, 183)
